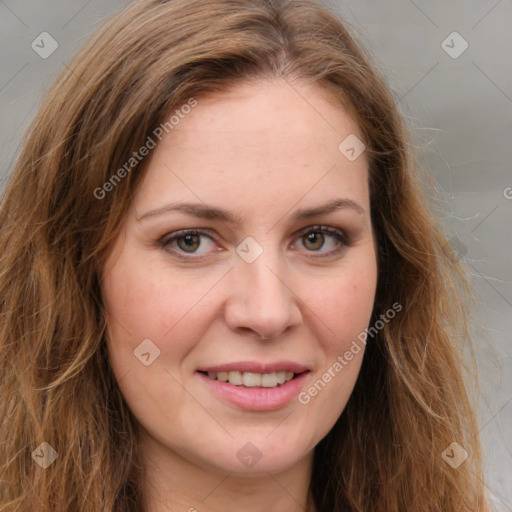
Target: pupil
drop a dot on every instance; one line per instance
(316, 239)
(190, 242)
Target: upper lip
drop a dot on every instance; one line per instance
(253, 366)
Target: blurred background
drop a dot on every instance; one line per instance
(449, 65)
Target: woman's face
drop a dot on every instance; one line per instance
(277, 275)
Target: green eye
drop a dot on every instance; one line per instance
(188, 243)
(313, 241)
(322, 240)
(191, 242)
(325, 241)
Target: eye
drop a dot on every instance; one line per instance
(324, 240)
(188, 242)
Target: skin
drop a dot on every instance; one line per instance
(262, 152)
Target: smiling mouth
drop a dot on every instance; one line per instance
(252, 379)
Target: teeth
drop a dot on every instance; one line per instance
(251, 379)
(235, 378)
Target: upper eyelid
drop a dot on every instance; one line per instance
(319, 227)
(206, 232)
(201, 232)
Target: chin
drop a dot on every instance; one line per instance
(259, 454)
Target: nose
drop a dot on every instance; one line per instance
(261, 298)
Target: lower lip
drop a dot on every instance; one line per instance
(257, 399)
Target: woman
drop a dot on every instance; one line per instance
(221, 287)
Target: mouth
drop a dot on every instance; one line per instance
(255, 387)
(254, 379)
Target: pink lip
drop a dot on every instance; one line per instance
(257, 399)
(252, 366)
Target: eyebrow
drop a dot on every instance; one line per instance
(204, 211)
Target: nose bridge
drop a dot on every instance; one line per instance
(265, 276)
(260, 298)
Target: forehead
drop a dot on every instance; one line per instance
(263, 141)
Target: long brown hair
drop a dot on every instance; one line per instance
(409, 403)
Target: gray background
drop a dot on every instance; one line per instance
(460, 110)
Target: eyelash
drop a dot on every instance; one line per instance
(338, 235)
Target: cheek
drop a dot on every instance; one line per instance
(146, 301)
(134, 303)
(343, 308)
(345, 304)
